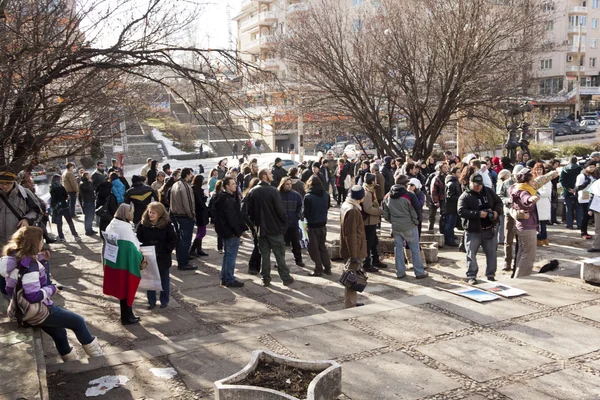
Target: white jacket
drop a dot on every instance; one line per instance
(583, 196)
(543, 205)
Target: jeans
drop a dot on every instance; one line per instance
(543, 235)
(474, 240)
(89, 210)
(372, 242)
(72, 202)
(55, 325)
(59, 222)
(277, 244)
(412, 239)
(231, 247)
(333, 187)
(570, 205)
(185, 230)
(585, 218)
(165, 280)
(292, 235)
(449, 229)
(501, 229)
(317, 248)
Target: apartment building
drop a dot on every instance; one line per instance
(575, 31)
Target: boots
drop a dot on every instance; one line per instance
(199, 250)
(423, 258)
(127, 317)
(71, 356)
(195, 246)
(93, 349)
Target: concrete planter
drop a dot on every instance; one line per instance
(333, 248)
(433, 237)
(430, 251)
(327, 385)
(590, 270)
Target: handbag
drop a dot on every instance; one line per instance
(26, 313)
(355, 280)
(103, 213)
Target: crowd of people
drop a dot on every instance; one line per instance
(488, 201)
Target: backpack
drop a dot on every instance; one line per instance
(428, 181)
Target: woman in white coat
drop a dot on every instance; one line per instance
(543, 205)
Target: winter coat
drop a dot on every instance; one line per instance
(35, 284)
(292, 202)
(59, 198)
(298, 186)
(25, 203)
(278, 174)
(469, 207)
(452, 193)
(380, 191)
(316, 205)
(118, 189)
(388, 174)
(86, 191)
(104, 195)
(229, 221)
(306, 174)
(97, 178)
(353, 241)
(181, 200)
(399, 210)
(502, 191)
(151, 176)
(370, 206)
(568, 176)
(162, 236)
(69, 181)
(340, 175)
(521, 201)
(543, 205)
(582, 184)
(438, 188)
(140, 196)
(265, 209)
(200, 199)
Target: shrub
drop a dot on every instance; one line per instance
(87, 162)
(542, 151)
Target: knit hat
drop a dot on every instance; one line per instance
(357, 192)
(369, 179)
(517, 169)
(476, 179)
(402, 180)
(416, 183)
(315, 165)
(387, 160)
(496, 160)
(277, 160)
(166, 167)
(7, 176)
(160, 173)
(136, 179)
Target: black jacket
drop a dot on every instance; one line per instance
(316, 205)
(151, 176)
(86, 190)
(98, 178)
(307, 173)
(140, 196)
(469, 207)
(388, 175)
(104, 195)
(201, 207)
(59, 198)
(265, 209)
(160, 235)
(229, 221)
(278, 174)
(453, 192)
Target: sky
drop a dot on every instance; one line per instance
(213, 23)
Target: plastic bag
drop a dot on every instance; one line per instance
(150, 275)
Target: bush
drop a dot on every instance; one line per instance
(87, 162)
(542, 151)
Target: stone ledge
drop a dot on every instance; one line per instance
(590, 270)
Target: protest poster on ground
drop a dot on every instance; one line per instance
(474, 294)
(501, 289)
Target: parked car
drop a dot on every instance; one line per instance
(287, 164)
(591, 114)
(39, 174)
(560, 128)
(590, 125)
(576, 128)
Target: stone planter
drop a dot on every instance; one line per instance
(590, 270)
(433, 237)
(327, 385)
(430, 250)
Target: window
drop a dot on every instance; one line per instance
(549, 25)
(575, 20)
(595, 23)
(569, 58)
(546, 64)
(356, 2)
(592, 61)
(594, 3)
(548, 6)
(357, 25)
(594, 43)
(551, 85)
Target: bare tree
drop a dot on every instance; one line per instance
(423, 60)
(70, 69)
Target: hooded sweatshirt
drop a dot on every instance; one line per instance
(316, 205)
(399, 210)
(568, 176)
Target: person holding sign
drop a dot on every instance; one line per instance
(122, 259)
(157, 230)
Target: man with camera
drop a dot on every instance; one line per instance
(479, 208)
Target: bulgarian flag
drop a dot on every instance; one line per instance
(122, 257)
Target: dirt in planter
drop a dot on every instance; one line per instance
(288, 380)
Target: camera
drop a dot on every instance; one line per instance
(490, 214)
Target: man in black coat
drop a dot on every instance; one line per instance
(387, 173)
(99, 175)
(479, 207)
(139, 195)
(264, 208)
(229, 224)
(278, 172)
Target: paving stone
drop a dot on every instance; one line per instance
(592, 313)
(326, 341)
(208, 295)
(200, 369)
(552, 294)
(485, 313)
(392, 376)
(565, 384)
(185, 280)
(411, 323)
(557, 334)
(483, 356)
(294, 298)
(240, 308)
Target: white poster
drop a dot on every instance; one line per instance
(501, 289)
(150, 275)
(111, 248)
(595, 204)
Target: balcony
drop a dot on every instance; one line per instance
(574, 68)
(573, 49)
(297, 7)
(270, 64)
(252, 45)
(253, 3)
(262, 18)
(575, 29)
(578, 10)
(269, 40)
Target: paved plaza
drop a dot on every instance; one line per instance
(411, 340)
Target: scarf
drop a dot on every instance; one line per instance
(372, 189)
(527, 187)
